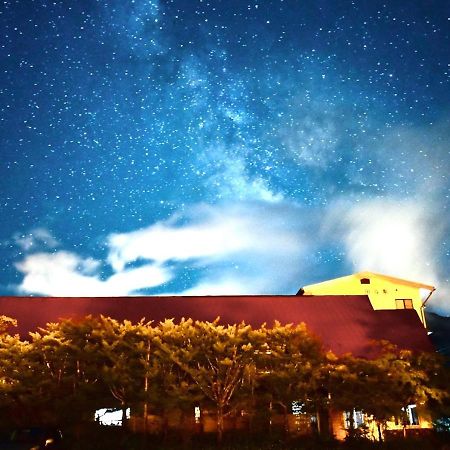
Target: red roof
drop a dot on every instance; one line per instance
(344, 323)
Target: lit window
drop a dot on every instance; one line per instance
(197, 414)
(411, 414)
(408, 303)
(404, 303)
(110, 416)
(356, 416)
(297, 408)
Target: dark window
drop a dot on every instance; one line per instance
(365, 281)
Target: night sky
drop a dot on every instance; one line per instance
(219, 147)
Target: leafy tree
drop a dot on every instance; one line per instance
(215, 357)
(383, 386)
(68, 365)
(286, 365)
(126, 353)
(16, 377)
(68, 370)
(6, 323)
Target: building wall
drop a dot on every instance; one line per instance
(382, 291)
(339, 430)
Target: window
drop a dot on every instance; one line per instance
(197, 414)
(297, 408)
(411, 414)
(404, 303)
(356, 416)
(111, 416)
(365, 281)
(408, 303)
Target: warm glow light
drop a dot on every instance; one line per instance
(197, 414)
(108, 416)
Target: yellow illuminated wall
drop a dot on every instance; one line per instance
(340, 428)
(384, 292)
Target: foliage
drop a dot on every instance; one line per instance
(6, 323)
(383, 386)
(67, 370)
(216, 358)
(287, 365)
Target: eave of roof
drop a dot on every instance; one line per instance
(416, 284)
(367, 274)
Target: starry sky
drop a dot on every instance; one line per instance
(222, 147)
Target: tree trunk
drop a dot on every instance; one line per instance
(270, 417)
(124, 415)
(219, 424)
(285, 420)
(351, 427)
(323, 423)
(146, 381)
(380, 435)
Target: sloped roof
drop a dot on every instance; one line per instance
(344, 323)
(366, 274)
(416, 284)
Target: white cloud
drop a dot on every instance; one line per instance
(270, 258)
(238, 249)
(67, 274)
(254, 248)
(388, 236)
(391, 236)
(211, 233)
(35, 239)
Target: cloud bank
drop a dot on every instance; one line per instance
(239, 248)
(251, 248)
(64, 274)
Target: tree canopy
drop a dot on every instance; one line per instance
(67, 370)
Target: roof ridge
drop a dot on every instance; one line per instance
(397, 279)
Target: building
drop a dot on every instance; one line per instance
(345, 323)
(347, 314)
(384, 292)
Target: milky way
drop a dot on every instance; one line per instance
(264, 133)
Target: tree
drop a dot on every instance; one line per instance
(68, 362)
(16, 378)
(286, 366)
(383, 386)
(215, 357)
(126, 351)
(6, 323)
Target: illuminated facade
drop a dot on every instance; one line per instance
(346, 313)
(384, 292)
(410, 420)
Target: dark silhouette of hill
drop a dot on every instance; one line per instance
(440, 328)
